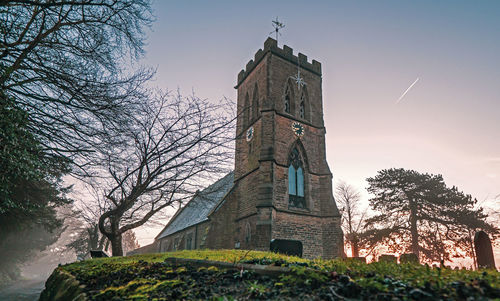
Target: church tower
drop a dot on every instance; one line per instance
(282, 182)
(281, 187)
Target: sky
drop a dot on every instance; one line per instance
(371, 52)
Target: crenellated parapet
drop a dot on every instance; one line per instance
(271, 45)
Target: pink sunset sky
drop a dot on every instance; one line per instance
(371, 52)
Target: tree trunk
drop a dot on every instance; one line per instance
(93, 237)
(415, 249)
(473, 251)
(116, 245)
(114, 234)
(355, 247)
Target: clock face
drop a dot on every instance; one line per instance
(298, 129)
(250, 133)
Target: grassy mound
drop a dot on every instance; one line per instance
(150, 277)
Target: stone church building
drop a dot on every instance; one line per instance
(281, 186)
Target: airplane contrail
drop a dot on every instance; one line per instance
(403, 95)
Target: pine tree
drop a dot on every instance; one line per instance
(418, 213)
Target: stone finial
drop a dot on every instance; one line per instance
(249, 65)
(317, 66)
(288, 50)
(302, 58)
(258, 55)
(241, 75)
(270, 43)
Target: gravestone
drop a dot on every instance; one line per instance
(286, 246)
(98, 254)
(484, 251)
(408, 258)
(359, 259)
(388, 258)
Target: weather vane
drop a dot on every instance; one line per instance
(299, 80)
(277, 26)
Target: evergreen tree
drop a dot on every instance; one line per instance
(418, 213)
(30, 190)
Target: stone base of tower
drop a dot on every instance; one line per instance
(320, 236)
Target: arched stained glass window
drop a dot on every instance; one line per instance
(300, 182)
(292, 180)
(296, 181)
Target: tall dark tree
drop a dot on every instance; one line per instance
(418, 213)
(30, 182)
(30, 190)
(63, 62)
(63, 90)
(169, 150)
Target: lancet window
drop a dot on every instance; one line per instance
(255, 103)
(288, 99)
(296, 181)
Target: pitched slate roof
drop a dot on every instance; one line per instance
(198, 208)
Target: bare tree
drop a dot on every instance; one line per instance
(169, 149)
(353, 217)
(86, 236)
(63, 62)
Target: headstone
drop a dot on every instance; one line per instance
(388, 258)
(408, 258)
(98, 254)
(484, 251)
(359, 258)
(286, 246)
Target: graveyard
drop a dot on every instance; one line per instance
(254, 275)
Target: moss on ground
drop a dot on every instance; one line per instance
(146, 277)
